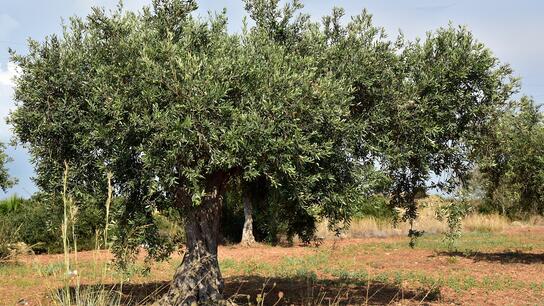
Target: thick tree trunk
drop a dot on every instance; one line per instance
(247, 232)
(198, 280)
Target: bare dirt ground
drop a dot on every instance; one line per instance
(486, 269)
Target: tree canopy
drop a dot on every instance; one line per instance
(175, 107)
(420, 109)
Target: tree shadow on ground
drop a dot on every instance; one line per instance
(291, 291)
(308, 291)
(502, 257)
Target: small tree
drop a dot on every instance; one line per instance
(5, 180)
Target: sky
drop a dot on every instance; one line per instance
(511, 29)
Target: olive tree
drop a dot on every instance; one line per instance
(454, 89)
(422, 107)
(420, 110)
(5, 180)
(280, 25)
(510, 161)
(175, 107)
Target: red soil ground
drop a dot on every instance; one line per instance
(515, 277)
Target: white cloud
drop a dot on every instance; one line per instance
(6, 101)
(7, 76)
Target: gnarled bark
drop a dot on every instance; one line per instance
(198, 280)
(247, 232)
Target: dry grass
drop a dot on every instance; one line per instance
(485, 223)
(374, 227)
(536, 220)
(427, 221)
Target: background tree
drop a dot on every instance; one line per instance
(5, 180)
(511, 164)
(279, 25)
(250, 194)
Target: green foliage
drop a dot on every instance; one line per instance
(5, 180)
(371, 196)
(38, 222)
(169, 225)
(373, 206)
(452, 90)
(453, 212)
(274, 216)
(418, 109)
(38, 227)
(10, 204)
(9, 235)
(511, 163)
(290, 219)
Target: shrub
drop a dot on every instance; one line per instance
(38, 227)
(169, 225)
(38, 221)
(8, 237)
(376, 206)
(10, 204)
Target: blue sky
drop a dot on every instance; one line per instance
(512, 29)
